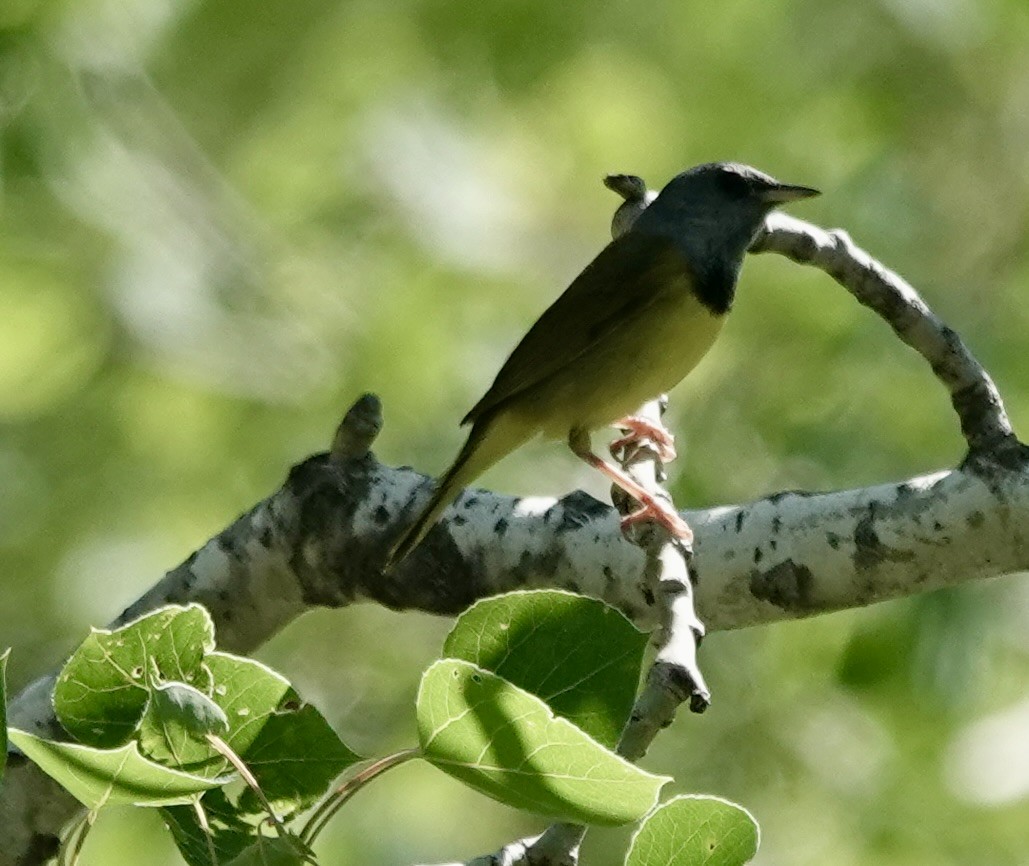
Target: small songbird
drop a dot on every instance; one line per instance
(630, 327)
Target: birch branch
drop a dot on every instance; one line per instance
(319, 540)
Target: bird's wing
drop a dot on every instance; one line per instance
(627, 276)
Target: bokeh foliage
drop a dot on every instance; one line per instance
(220, 220)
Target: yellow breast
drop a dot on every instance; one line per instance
(647, 356)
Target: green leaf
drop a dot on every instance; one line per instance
(185, 707)
(102, 691)
(3, 713)
(288, 851)
(99, 777)
(230, 834)
(249, 693)
(578, 654)
(175, 724)
(695, 830)
(506, 743)
(287, 744)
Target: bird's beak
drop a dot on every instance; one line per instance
(784, 192)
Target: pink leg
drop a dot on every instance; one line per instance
(651, 508)
(642, 428)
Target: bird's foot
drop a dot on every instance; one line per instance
(654, 511)
(642, 430)
(651, 508)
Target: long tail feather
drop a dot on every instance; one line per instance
(486, 444)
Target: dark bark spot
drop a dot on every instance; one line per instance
(869, 550)
(975, 519)
(758, 555)
(787, 585)
(739, 520)
(578, 509)
(500, 527)
(381, 515)
(904, 491)
(996, 458)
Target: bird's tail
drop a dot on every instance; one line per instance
(486, 444)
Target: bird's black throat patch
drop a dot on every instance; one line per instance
(716, 289)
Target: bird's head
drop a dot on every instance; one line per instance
(718, 207)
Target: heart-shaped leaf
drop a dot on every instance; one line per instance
(695, 830)
(103, 689)
(508, 744)
(580, 655)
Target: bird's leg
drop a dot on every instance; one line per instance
(643, 428)
(651, 508)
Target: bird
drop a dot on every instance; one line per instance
(631, 326)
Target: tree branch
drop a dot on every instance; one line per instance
(320, 539)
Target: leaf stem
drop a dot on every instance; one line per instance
(334, 802)
(226, 751)
(206, 827)
(76, 838)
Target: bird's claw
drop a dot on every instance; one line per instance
(643, 431)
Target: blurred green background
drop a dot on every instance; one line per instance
(221, 220)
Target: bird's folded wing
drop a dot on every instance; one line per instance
(628, 275)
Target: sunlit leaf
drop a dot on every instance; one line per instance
(695, 830)
(103, 689)
(101, 777)
(578, 654)
(507, 743)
